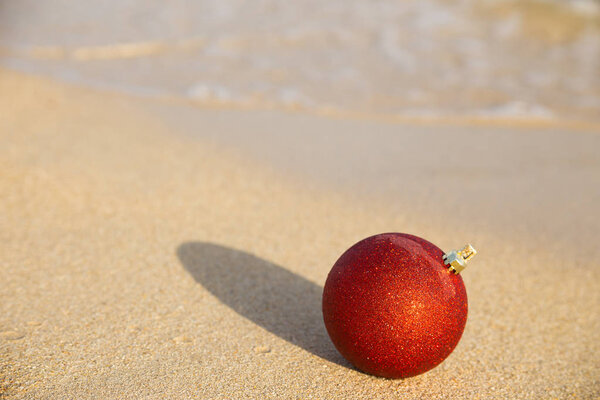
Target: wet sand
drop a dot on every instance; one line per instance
(500, 59)
(151, 250)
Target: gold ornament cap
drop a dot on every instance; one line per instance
(457, 260)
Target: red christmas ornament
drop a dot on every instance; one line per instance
(394, 304)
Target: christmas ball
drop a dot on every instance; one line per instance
(394, 304)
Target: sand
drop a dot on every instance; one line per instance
(144, 257)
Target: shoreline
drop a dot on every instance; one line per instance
(454, 120)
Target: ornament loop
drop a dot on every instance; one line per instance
(457, 260)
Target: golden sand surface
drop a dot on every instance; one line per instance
(142, 263)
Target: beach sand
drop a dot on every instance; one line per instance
(146, 257)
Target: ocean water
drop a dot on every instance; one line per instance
(413, 58)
